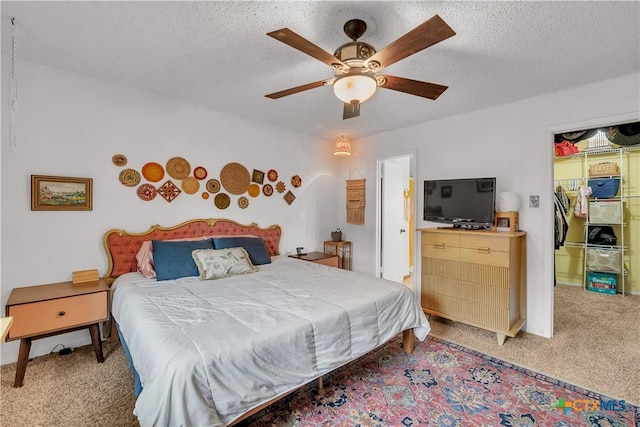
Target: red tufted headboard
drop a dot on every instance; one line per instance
(122, 246)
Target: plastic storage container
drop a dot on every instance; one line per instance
(604, 188)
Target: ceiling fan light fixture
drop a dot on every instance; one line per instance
(342, 146)
(354, 87)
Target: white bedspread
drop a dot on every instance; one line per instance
(209, 351)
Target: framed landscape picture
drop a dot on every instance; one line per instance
(59, 193)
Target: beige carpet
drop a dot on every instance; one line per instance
(596, 346)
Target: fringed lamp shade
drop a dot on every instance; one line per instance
(342, 147)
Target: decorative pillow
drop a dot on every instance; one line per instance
(254, 246)
(219, 263)
(173, 260)
(144, 257)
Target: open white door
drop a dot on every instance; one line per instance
(394, 255)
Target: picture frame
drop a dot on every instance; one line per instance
(60, 193)
(507, 221)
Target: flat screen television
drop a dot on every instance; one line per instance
(462, 202)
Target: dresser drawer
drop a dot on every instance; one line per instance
(485, 256)
(482, 241)
(441, 252)
(441, 239)
(42, 317)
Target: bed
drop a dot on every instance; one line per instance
(214, 348)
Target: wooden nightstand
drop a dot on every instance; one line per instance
(342, 249)
(318, 258)
(46, 310)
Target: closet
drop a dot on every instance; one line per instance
(597, 214)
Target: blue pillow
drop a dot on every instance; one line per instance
(173, 260)
(254, 246)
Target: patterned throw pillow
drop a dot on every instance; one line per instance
(219, 263)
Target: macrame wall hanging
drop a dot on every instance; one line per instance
(355, 201)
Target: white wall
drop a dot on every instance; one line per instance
(69, 125)
(512, 142)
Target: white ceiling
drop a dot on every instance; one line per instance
(217, 54)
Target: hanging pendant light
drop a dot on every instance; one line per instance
(342, 146)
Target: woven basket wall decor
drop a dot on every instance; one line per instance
(355, 201)
(235, 178)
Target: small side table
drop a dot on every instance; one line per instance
(45, 310)
(343, 250)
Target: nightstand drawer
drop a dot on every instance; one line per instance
(45, 316)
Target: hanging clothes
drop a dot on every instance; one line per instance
(581, 207)
(563, 197)
(561, 223)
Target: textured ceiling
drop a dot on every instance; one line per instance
(216, 54)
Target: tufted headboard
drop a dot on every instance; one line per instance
(122, 246)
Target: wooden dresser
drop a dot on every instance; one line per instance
(475, 277)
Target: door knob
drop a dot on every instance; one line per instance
(402, 230)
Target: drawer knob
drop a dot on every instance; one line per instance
(483, 249)
(62, 313)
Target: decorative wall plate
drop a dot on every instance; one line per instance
(200, 172)
(267, 190)
(289, 197)
(235, 178)
(205, 195)
(190, 185)
(130, 177)
(257, 176)
(222, 201)
(296, 181)
(281, 186)
(213, 186)
(254, 190)
(243, 202)
(272, 175)
(153, 172)
(169, 191)
(147, 192)
(119, 159)
(178, 168)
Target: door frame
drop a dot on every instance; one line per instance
(413, 171)
(549, 236)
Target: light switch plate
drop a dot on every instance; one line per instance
(534, 201)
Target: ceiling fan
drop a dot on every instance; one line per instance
(356, 64)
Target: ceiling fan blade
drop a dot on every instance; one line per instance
(413, 87)
(424, 35)
(351, 110)
(296, 41)
(302, 88)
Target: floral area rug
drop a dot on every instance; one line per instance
(442, 384)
